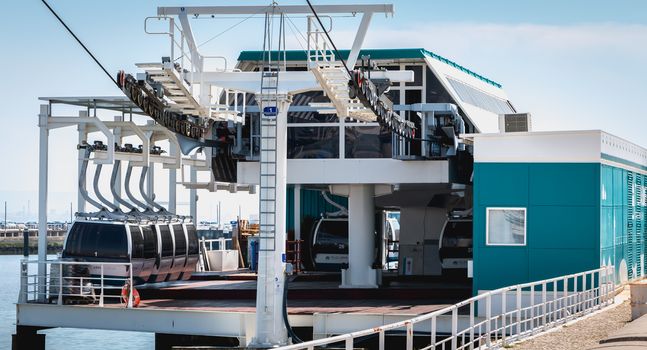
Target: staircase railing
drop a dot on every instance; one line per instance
(495, 318)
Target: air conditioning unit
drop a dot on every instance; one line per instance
(515, 122)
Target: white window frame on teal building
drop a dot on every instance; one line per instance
(487, 226)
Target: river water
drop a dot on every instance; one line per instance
(58, 338)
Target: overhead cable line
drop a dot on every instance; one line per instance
(80, 42)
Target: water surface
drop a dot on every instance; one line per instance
(58, 338)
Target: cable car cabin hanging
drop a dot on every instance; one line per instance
(108, 241)
(165, 253)
(185, 248)
(151, 248)
(193, 251)
(456, 243)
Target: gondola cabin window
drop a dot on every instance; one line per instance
(506, 226)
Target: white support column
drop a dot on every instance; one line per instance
(80, 201)
(172, 181)
(118, 139)
(361, 237)
(193, 193)
(270, 328)
(42, 199)
(359, 39)
(150, 181)
(297, 212)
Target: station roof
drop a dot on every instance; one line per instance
(420, 53)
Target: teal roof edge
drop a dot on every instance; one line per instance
(300, 55)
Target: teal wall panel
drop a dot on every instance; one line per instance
(564, 184)
(312, 204)
(548, 263)
(579, 217)
(568, 227)
(510, 181)
(563, 221)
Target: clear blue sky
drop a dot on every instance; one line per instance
(572, 64)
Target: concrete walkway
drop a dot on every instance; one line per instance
(583, 334)
(632, 336)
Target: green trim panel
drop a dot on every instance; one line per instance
(378, 54)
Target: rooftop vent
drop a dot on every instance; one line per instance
(515, 122)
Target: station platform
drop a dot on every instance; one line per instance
(320, 289)
(224, 306)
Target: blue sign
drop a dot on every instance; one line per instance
(270, 111)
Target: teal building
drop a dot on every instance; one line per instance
(553, 203)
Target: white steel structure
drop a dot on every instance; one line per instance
(186, 99)
(270, 329)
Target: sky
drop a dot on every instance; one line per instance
(572, 64)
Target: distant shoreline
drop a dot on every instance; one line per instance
(16, 248)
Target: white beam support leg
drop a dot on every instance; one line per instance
(359, 39)
(270, 328)
(361, 237)
(172, 181)
(193, 193)
(42, 199)
(81, 127)
(118, 140)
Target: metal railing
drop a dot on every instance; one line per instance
(495, 318)
(318, 47)
(220, 242)
(72, 282)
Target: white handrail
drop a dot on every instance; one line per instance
(497, 328)
(222, 243)
(61, 285)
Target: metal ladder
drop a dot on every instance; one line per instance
(269, 101)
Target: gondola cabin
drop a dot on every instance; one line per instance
(193, 250)
(329, 249)
(456, 243)
(107, 241)
(180, 251)
(165, 253)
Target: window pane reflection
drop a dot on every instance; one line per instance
(368, 142)
(313, 142)
(506, 226)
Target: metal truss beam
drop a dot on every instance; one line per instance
(289, 9)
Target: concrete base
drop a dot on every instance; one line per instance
(173, 341)
(27, 338)
(371, 279)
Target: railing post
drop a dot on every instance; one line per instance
(24, 270)
(349, 344)
(101, 294)
(60, 283)
(471, 325)
(613, 284)
(576, 297)
(381, 339)
(564, 303)
(543, 305)
(433, 332)
(488, 319)
(132, 286)
(554, 302)
(532, 309)
(519, 307)
(504, 296)
(410, 335)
